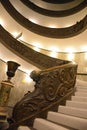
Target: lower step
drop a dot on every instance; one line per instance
(77, 112)
(42, 124)
(79, 99)
(23, 128)
(82, 94)
(82, 105)
(69, 121)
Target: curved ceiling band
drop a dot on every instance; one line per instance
(52, 13)
(45, 31)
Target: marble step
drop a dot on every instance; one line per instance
(76, 104)
(83, 94)
(42, 124)
(23, 128)
(81, 90)
(70, 121)
(81, 87)
(82, 113)
(79, 99)
(81, 83)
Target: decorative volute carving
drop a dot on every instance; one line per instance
(52, 86)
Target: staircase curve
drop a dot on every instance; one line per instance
(54, 83)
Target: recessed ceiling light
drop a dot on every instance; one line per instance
(1, 22)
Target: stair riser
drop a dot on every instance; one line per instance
(73, 111)
(72, 116)
(76, 104)
(41, 124)
(81, 94)
(79, 99)
(74, 122)
(81, 90)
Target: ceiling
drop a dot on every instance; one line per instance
(58, 1)
(77, 43)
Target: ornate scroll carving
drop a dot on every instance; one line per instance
(52, 86)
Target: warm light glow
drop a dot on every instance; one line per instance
(84, 48)
(70, 50)
(86, 56)
(15, 34)
(54, 54)
(70, 56)
(33, 20)
(1, 22)
(5, 68)
(52, 26)
(54, 49)
(28, 71)
(73, 62)
(86, 69)
(68, 25)
(21, 38)
(36, 49)
(37, 46)
(27, 79)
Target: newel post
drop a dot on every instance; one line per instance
(6, 88)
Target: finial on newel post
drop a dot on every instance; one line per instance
(7, 85)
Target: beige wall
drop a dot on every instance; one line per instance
(21, 86)
(80, 58)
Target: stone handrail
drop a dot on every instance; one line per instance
(35, 58)
(52, 87)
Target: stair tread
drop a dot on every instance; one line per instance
(81, 83)
(79, 99)
(72, 116)
(76, 104)
(74, 122)
(84, 94)
(42, 124)
(81, 90)
(81, 87)
(23, 128)
(78, 112)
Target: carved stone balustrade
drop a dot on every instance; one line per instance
(52, 87)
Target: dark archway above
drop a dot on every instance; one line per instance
(67, 32)
(58, 1)
(51, 13)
